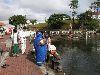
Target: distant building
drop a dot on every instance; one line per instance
(96, 13)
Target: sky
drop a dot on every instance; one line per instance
(39, 9)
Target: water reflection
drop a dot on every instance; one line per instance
(79, 57)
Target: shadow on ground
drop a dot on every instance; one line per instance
(31, 56)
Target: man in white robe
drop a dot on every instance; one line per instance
(23, 41)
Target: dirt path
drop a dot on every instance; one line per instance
(20, 65)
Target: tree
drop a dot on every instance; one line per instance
(17, 20)
(56, 21)
(86, 21)
(33, 21)
(73, 5)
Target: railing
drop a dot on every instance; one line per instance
(65, 32)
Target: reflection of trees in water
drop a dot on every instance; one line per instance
(60, 44)
(79, 57)
(81, 63)
(80, 44)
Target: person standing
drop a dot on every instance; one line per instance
(8, 44)
(15, 43)
(48, 39)
(40, 49)
(4, 54)
(23, 40)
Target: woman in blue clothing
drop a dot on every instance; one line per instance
(40, 48)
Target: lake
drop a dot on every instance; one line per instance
(79, 56)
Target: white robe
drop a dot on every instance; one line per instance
(22, 40)
(15, 38)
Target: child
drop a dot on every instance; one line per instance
(15, 43)
(53, 52)
(54, 57)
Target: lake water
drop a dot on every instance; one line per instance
(79, 57)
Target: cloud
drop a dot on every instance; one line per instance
(38, 9)
(84, 5)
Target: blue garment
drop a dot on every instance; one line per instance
(37, 39)
(41, 50)
(98, 9)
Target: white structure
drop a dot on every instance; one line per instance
(96, 15)
(54, 32)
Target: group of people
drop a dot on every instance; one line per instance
(11, 45)
(18, 38)
(43, 47)
(41, 43)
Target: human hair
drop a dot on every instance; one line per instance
(15, 30)
(24, 27)
(46, 34)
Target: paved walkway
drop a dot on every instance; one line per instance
(21, 65)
